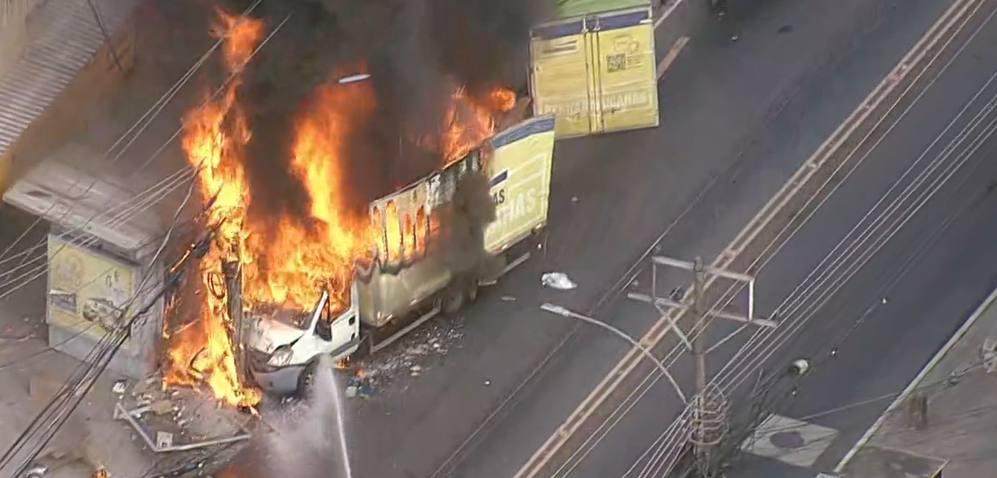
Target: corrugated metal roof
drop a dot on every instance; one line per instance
(62, 37)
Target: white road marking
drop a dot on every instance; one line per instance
(667, 13)
(814, 440)
(673, 53)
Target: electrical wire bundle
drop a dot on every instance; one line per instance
(666, 453)
(43, 428)
(58, 410)
(853, 252)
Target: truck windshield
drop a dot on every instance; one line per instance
(296, 318)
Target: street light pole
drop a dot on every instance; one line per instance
(563, 312)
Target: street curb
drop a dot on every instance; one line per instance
(916, 382)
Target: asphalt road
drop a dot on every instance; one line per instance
(743, 106)
(898, 308)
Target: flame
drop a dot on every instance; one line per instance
(302, 257)
(325, 252)
(471, 120)
(213, 135)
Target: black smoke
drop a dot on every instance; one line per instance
(463, 246)
(415, 50)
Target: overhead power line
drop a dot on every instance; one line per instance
(65, 402)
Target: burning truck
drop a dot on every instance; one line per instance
(415, 270)
(325, 267)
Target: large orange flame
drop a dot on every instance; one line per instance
(302, 256)
(213, 136)
(324, 251)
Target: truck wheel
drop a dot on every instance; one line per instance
(472, 292)
(368, 339)
(306, 381)
(454, 301)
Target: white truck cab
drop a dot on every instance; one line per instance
(284, 347)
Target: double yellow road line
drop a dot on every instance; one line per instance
(769, 225)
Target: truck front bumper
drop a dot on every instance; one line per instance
(284, 380)
(280, 381)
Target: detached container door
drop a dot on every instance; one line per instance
(561, 79)
(622, 45)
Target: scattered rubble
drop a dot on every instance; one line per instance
(170, 418)
(28, 329)
(410, 358)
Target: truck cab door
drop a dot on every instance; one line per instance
(346, 327)
(330, 333)
(312, 343)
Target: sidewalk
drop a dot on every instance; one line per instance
(961, 433)
(31, 373)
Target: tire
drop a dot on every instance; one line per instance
(454, 301)
(368, 340)
(306, 381)
(472, 292)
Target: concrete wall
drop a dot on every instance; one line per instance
(70, 334)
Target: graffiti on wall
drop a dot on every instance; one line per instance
(89, 292)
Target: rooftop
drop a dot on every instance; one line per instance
(107, 179)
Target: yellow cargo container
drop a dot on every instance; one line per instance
(403, 279)
(596, 73)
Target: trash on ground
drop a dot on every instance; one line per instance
(557, 280)
(508, 298)
(411, 357)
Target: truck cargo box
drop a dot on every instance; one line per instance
(518, 163)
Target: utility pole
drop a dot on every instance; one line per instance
(703, 441)
(709, 405)
(232, 271)
(699, 313)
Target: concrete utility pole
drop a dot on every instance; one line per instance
(699, 312)
(709, 420)
(704, 441)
